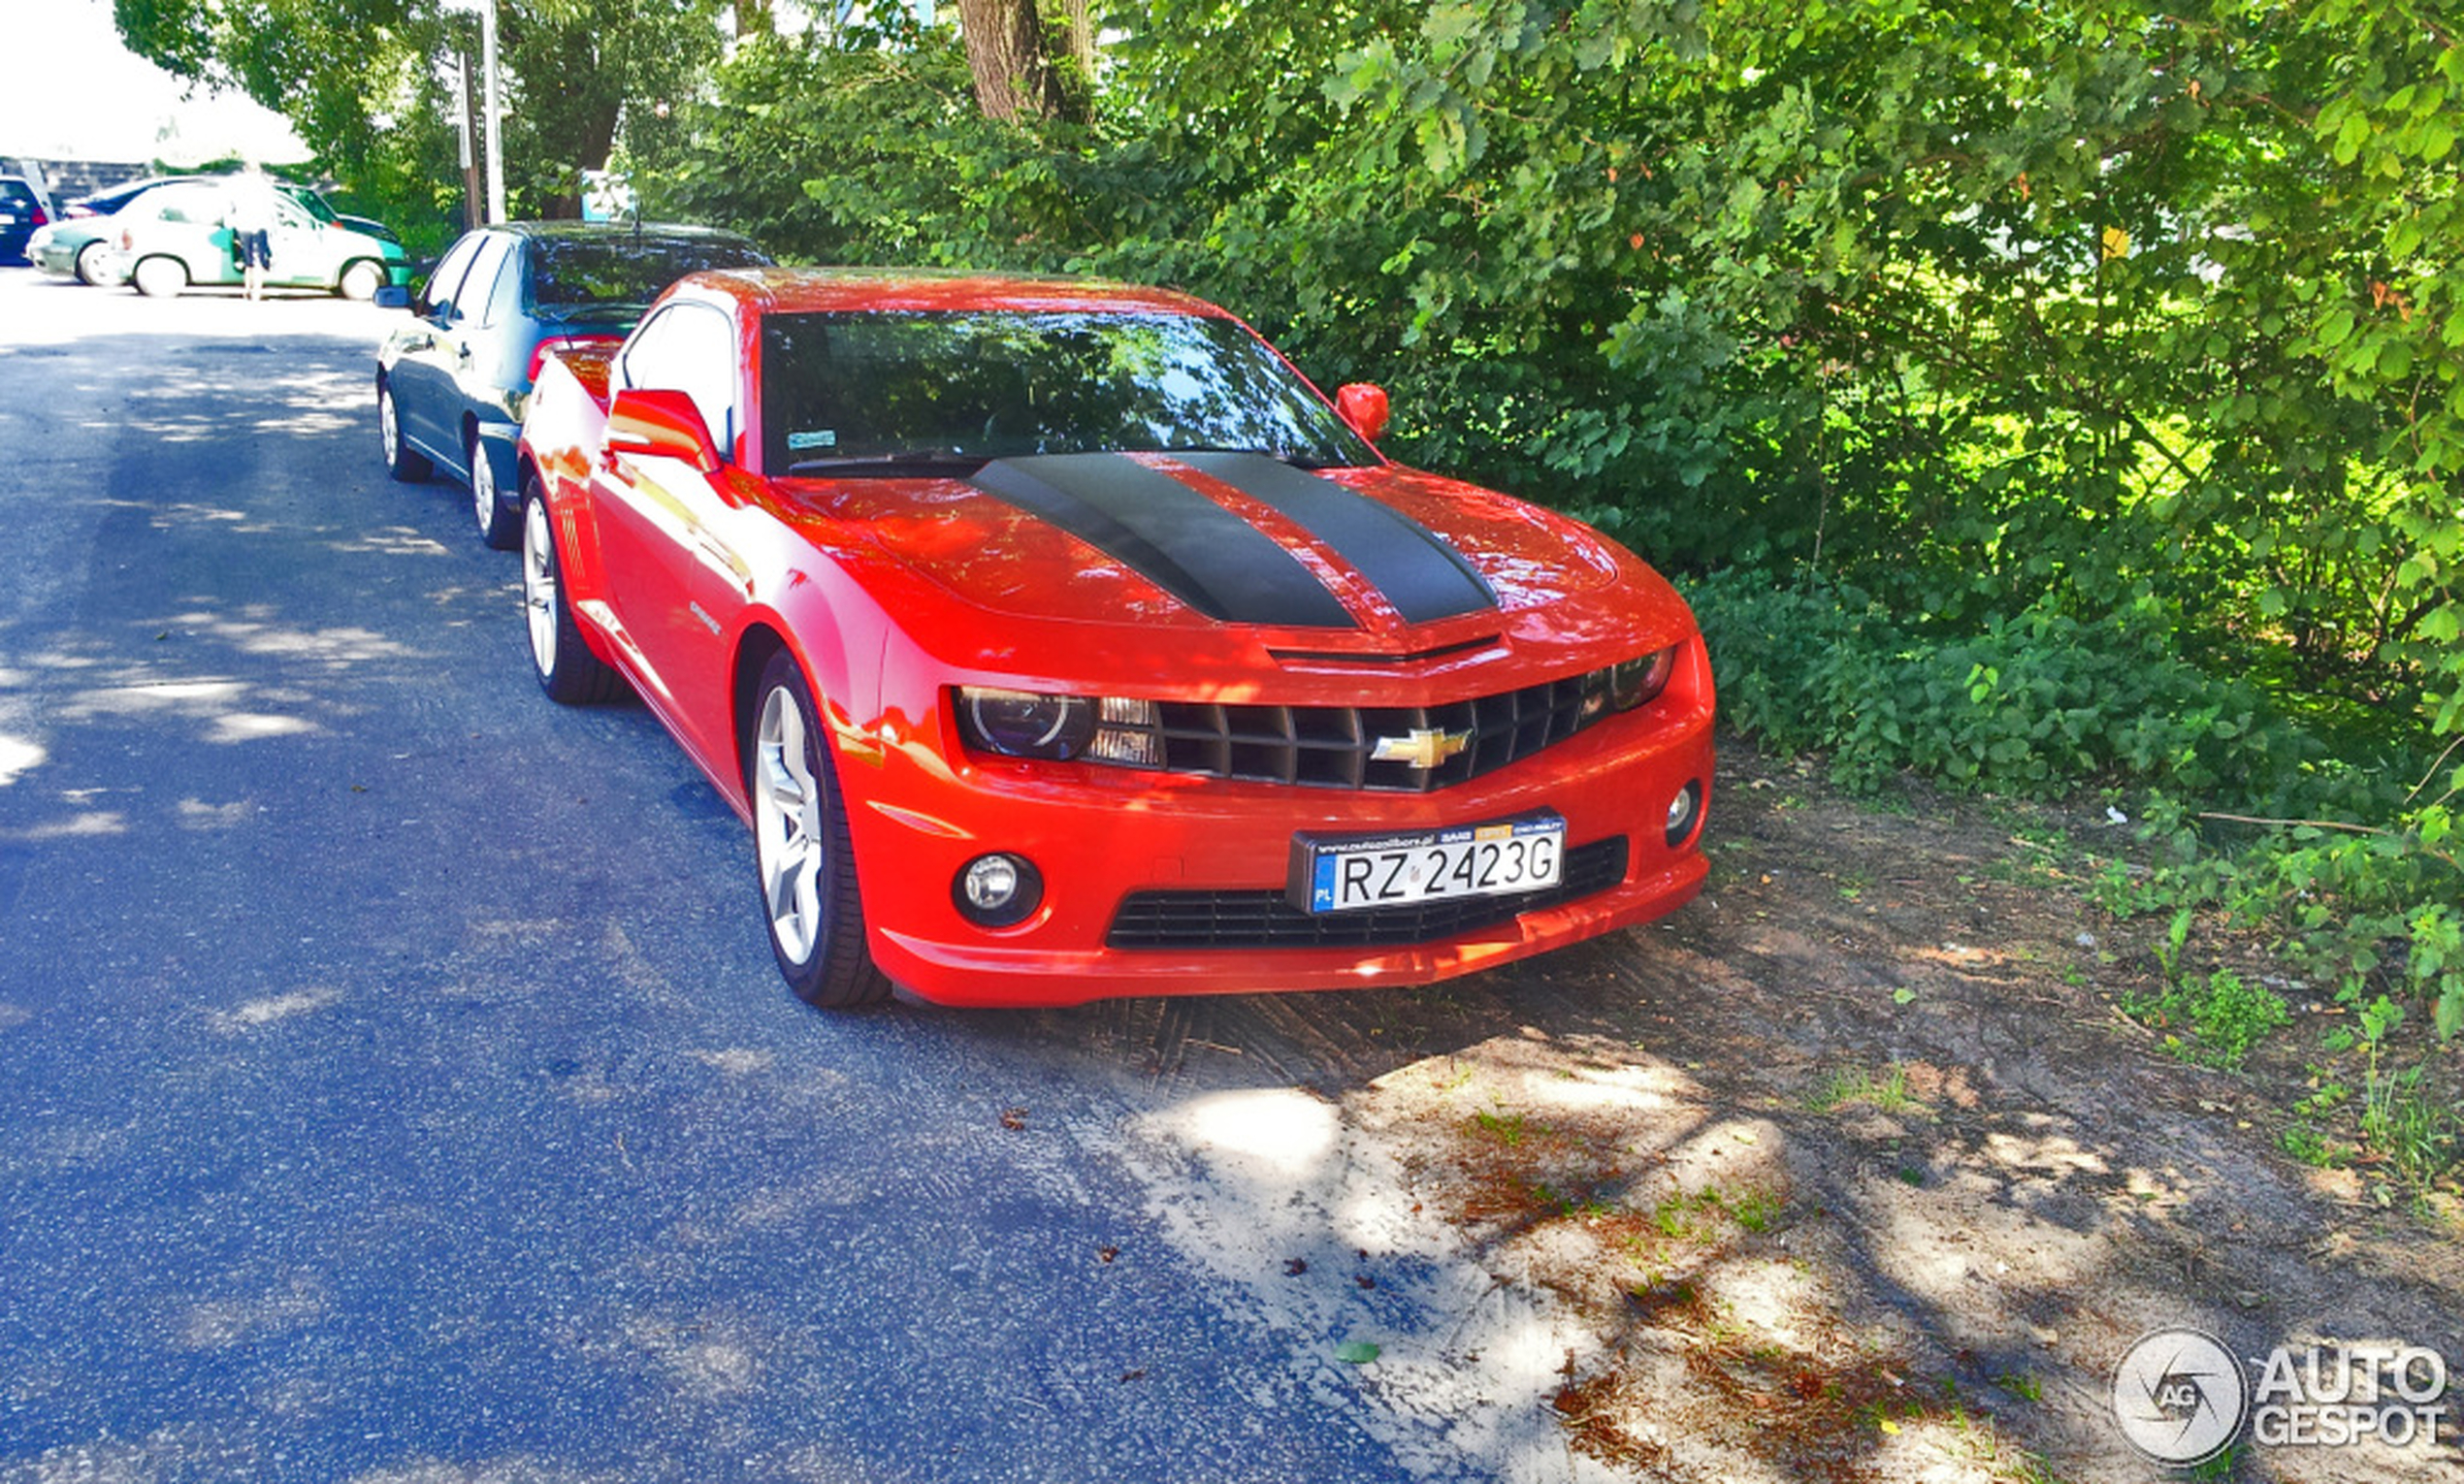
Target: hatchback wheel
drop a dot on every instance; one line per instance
(89, 263)
(160, 277)
(401, 461)
(361, 280)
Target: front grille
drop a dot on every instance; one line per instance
(1336, 746)
(1267, 920)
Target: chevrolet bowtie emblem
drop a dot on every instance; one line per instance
(1423, 748)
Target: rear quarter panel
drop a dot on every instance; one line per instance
(563, 430)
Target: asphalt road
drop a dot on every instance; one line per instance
(395, 1084)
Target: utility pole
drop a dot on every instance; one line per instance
(465, 127)
(496, 110)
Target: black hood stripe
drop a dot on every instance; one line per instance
(1170, 534)
(1418, 572)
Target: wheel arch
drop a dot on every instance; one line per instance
(343, 274)
(822, 654)
(754, 650)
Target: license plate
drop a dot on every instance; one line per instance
(1352, 873)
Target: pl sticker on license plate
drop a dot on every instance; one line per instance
(1350, 873)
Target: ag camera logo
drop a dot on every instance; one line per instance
(2181, 1397)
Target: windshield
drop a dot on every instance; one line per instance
(838, 389)
(311, 203)
(620, 269)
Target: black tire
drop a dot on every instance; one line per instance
(360, 281)
(160, 277)
(85, 266)
(803, 865)
(401, 461)
(560, 656)
(500, 524)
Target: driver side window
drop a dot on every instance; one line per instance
(437, 300)
(690, 349)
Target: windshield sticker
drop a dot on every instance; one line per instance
(826, 438)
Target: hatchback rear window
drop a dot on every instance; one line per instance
(565, 272)
(15, 193)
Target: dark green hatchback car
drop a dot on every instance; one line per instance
(452, 380)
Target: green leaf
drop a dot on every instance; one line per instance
(1356, 1352)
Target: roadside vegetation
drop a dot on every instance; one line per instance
(2048, 401)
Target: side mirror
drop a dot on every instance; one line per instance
(393, 296)
(1364, 405)
(660, 425)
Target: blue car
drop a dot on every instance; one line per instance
(452, 380)
(23, 209)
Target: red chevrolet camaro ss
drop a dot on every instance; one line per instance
(1059, 640)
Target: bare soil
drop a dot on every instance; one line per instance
(1852, 1170)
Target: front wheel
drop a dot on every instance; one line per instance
(401, 461)
(561, 658)
(89, 263)
(160, 277)
(499, 528)
(361, 280)
(801, 855)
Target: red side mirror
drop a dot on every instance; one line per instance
(1363, 406)
(660, 425)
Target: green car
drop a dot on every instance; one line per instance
(177, 234)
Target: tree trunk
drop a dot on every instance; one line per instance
(1007, 54)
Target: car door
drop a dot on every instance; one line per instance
(475, 360)
(675, 579)
(421, 376)
(299, 253)
(183, 221)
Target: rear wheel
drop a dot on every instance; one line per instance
(499, 527)
(805, 865)
(561, 658)
(160, 277)
(401, 461)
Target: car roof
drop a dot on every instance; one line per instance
(824, 290)
(539, 231)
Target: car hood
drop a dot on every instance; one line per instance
(1383, 562)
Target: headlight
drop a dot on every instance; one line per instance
(1639, 678)
(1020, 724)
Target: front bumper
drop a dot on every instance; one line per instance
(1116, 847)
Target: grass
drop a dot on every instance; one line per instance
(1887, 1094)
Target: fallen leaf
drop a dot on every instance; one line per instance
(1013, 1118)
(1294, 1266)
(1356, 1352)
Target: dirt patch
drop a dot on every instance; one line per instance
(1852, 1170)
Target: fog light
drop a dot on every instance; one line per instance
(1685, 811)
(997, 890)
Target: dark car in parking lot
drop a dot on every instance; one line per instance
(451, 383)
(24, 208)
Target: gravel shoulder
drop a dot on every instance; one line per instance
(1851, 1170)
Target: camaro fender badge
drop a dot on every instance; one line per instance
(1424, 748)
